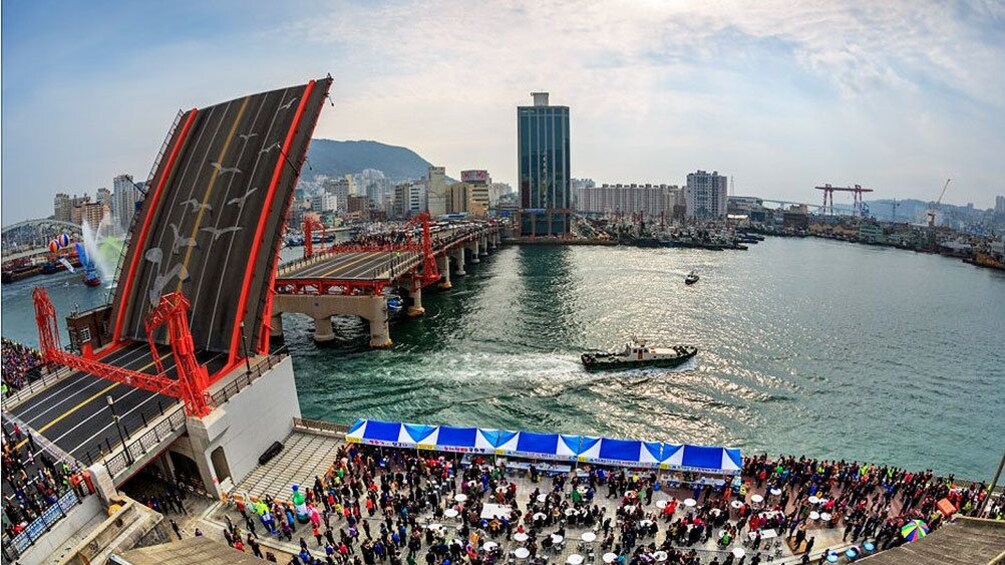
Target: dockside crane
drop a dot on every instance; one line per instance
(934, 209)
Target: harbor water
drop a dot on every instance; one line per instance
(806, 347)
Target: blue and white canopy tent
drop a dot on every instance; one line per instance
(561, 447)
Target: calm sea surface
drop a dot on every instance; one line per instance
(806, 347)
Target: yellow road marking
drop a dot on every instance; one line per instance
(83, 403)
(345, 266)
(212, 182)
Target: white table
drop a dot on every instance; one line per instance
(690, 502)
(610, 557)
(521, 553)
(776, 491)
(555, 538)
(461, 497)
(660, 556)
(542, 497)
(490, 545)
(570, 511)
(813, 500)
(814, 515)
(630, 508)
(757, 499)
(736, 504)
(520, 537)
(738, 552)
(490, 511)
(646, 523)
(589, 537)
(450, 513)
(825, 516)
(769, 534)
(661, 504)
(574, 559)
(540, 516)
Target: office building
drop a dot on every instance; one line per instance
(340, 188)
(125, 195)
(436, 191)
(496, 191)
(467, 198)
(706, 195)
(999, 204)
(409, 199)
(324, 202)
(543, 153)
(61, 207)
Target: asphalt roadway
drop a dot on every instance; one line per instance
(74, 413)
(201, 238)
(364, 265)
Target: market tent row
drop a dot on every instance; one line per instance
(556, 447)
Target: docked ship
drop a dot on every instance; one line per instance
(638, 354)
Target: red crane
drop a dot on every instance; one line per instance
(192, 380)
(829, 195)
(311, 223)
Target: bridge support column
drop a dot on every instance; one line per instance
(459, 259)
(323, 332)
(483, 246)
(380, 332)
(474, 252)
(416, 309)
(276, 327)
(443, 264)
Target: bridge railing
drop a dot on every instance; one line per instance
(132, 222)
(35, 385)
(15, 547)
(306, 424)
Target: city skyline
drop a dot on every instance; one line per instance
(896, 97)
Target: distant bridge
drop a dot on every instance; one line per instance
(31, 237)
(352, 279)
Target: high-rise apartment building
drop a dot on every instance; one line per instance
(649, 200)
(467, 198)
(436, 191)
(706, 195)
(91, 213)
(125, 195)
(999, 204)
(340, 188)
(61, 207)
(104, 197)
(409, 198)
(543, 154)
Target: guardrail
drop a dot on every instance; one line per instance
(309, 425)
(36, 385)
(15, 547)
(152, 438)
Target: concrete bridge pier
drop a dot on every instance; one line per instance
(380, 331)
(276, 327)
(473, 246)
(416, 309)
(483, 246)
(323, 332)
(443, 264)
(459, 259)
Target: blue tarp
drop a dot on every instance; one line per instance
(456, 439)
(540, 445)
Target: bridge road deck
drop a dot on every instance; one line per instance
(355, 265)
(74, 415)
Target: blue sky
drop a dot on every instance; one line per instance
(893, 95)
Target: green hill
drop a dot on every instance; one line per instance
(333, 158)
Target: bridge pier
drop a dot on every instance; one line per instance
(416, 309)
(443, 264)
(323, 332)
(474, 252)
(276, 327)
(483, 246)
(459, 259)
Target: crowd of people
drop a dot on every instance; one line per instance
(18, 364)
(33, 480)
(388, 507)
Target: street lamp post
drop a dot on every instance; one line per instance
(118, 426)
(244, 343)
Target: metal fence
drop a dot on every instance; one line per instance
(15, 547)
(46, 379)
(319, 426)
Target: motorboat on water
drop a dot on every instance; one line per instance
(638, 354)
(691, 277)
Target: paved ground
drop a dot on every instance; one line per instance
(202, 225)
(73, 413)
(307, 455)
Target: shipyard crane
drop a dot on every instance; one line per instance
(931, 211)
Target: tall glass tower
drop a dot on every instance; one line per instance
(543, 157)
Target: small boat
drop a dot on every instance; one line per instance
(638, 354)
(691, 277)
